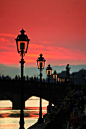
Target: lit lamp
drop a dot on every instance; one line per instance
(58, 79)
(49, 72)
(22, 42)
(55, 78)
(55, 75)
(40, 64)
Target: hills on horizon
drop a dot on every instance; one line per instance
(33, 71)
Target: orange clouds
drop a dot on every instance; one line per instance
(57, 53)
(36, 46)
(53, 55)
(4, 40)
(7, 35)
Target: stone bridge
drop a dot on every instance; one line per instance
(11, 90)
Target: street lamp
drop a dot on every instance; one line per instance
(55, 78)
(55, 75)
(22, 42)
(49, 72)
(40, 64)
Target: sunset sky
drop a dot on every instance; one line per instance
(56, 28)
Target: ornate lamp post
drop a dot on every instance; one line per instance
(55, 78)
(49, 72)
(22, 42)
(55, 75)
(40, 64)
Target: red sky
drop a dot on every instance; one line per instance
(57, 29)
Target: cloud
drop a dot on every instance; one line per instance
(46, 42)
(53, 55)
(3, 40)
(7, 35)
(58, 55)
(6, 45)
(30, 61)
(36, 46)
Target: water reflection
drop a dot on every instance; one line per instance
(9, 123)
(9, 119)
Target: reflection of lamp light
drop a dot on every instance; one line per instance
(22, 42)
(40, 64)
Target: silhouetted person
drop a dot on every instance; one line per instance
(27, 77)
(67, 71)
(16, 77)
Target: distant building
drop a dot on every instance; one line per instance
(79, 77)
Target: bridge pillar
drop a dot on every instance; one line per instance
(16, 102)
(17, 105)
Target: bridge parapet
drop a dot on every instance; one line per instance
(12, 89)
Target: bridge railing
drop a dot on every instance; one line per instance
(34, 88)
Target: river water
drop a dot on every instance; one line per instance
(9, 119)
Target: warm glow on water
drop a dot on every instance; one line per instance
(6, 103)
(9, 119)
(13, 123)
(28, 103)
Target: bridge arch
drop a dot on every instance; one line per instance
(5, 100)
(34, 101)
(12, 89)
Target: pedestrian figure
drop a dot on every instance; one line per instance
(67, 71)
(65, 112)
(74, 120)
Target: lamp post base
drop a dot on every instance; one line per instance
(40, 120)
(21, 125)
(22, 128)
